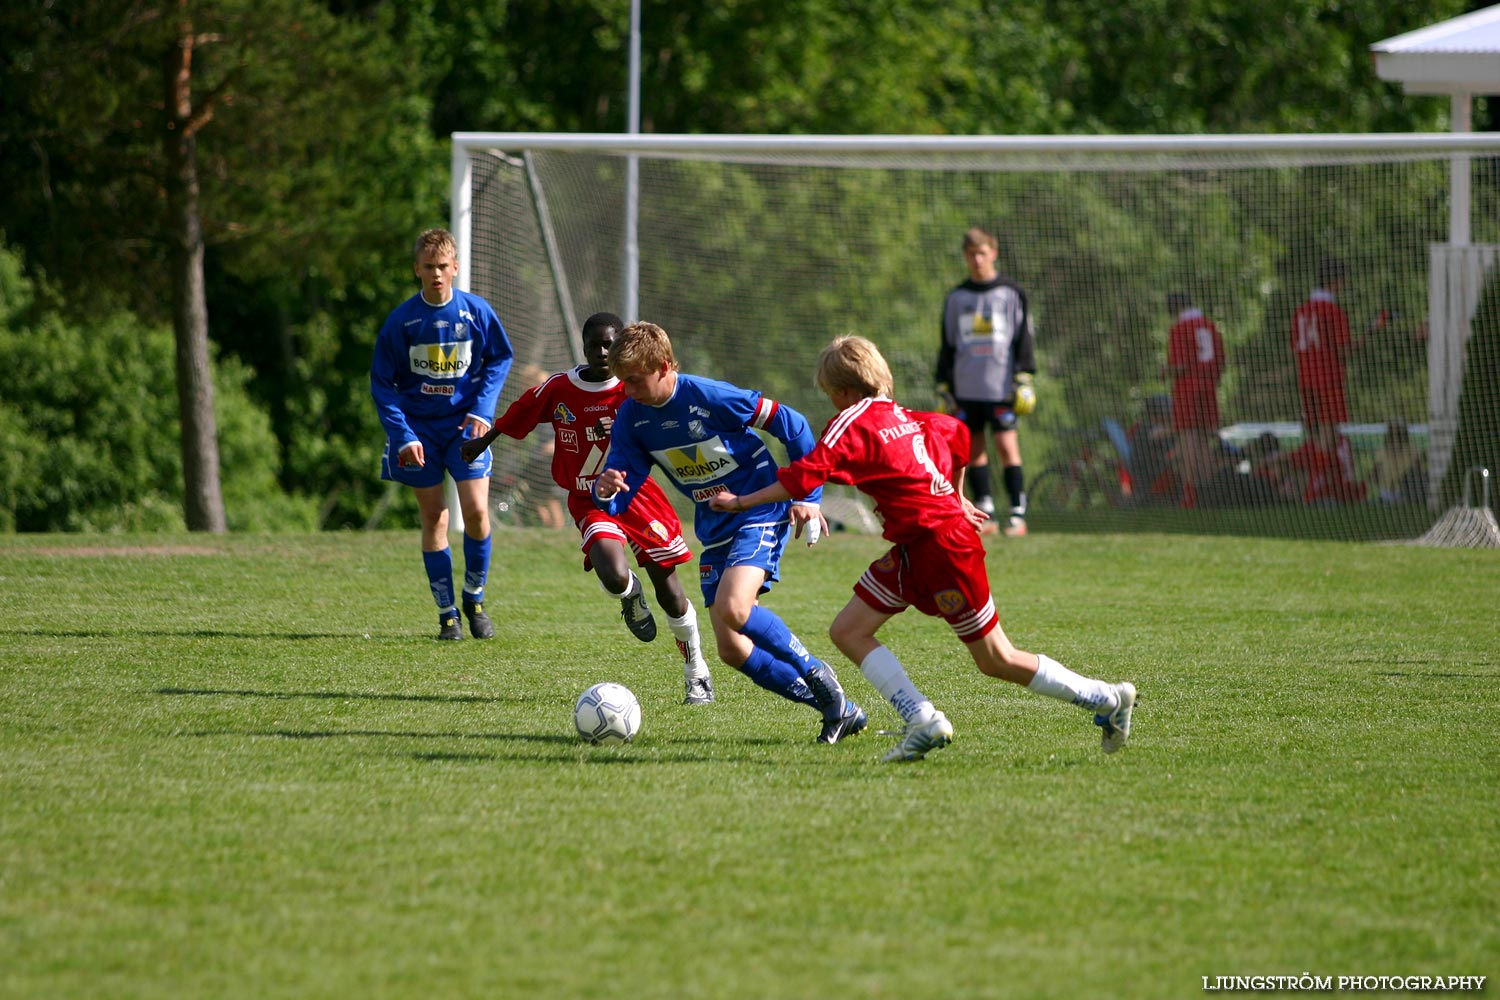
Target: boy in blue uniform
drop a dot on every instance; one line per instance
(440, 360)
(699, 432)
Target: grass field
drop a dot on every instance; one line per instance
(241, 767)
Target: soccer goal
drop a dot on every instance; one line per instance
(753, 251)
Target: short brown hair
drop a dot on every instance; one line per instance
(435, 241)
(641, 348)
(854, 364)
(976, 237)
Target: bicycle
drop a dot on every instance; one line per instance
(1093, 477)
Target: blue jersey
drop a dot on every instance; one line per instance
(436, 363)
(702, 439)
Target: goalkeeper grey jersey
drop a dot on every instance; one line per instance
(986, 340)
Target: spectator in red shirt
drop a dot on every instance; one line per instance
(1195, 363)
(1318, 472)
(1322, 345)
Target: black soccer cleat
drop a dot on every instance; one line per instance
(638, 616)
(851, 723)
(827, 692)
(480, 626)
(449, 627)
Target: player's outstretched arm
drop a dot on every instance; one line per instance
(473, 447)
(730, 503)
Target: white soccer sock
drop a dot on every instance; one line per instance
(882, 669)
(1056, 681)
(685, 631)
(630, 588)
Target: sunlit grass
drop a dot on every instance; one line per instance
(242, 767)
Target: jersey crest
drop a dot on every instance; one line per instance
(949, 602)
(562, 415)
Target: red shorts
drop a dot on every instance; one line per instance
(941, 575)
(650, 526)
(1195, 405)
(1324, 404)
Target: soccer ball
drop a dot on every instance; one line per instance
(607, 713)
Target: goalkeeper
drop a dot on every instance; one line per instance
(985, 369)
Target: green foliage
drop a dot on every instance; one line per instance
(1220, 66)
(240, 767)
(324, 153)
(97, 411)
(1478, 441)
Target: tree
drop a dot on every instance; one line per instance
(203, 499)
(282, 139)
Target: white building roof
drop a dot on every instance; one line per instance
(1457, 56)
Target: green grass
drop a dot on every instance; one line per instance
(241, 767)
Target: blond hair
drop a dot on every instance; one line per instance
(639, 349)
(854, 364)
(438, 241)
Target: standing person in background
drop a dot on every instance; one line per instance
(984, 371)
(579, 405)
(701, 433)
(1321, 344)
(440, 361)
(1195, 363)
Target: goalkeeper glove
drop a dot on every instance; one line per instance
(946, 401)
(1025, 395)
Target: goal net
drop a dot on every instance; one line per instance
(752, 252)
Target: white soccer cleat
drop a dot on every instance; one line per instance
(917, 740)
(1116, 724)
(698, 690)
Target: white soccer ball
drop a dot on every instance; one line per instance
(607, 713)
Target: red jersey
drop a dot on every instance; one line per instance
(1195, 348)
(1195, 356)
(574, 408)
(903, 460)
(1320, 340)
(1330, 474)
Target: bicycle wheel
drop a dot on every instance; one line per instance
(1057, 488)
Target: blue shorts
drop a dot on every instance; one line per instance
(441, 441)
(752, 545)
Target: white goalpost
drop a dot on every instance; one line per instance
(753, 251)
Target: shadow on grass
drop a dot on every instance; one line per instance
(329, 734)
(1414, 674)
(569, 749)
(336, 695)
(190, 633)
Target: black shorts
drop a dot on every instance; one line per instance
(979, 414)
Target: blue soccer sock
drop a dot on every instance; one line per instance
(476, 567)
(766, 629)
(440, 577)
(773, 675)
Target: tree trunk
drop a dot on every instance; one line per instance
(203, 502)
